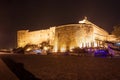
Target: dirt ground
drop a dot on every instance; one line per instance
(5, 72)
(38, 67)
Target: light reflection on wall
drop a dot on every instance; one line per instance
(55, 49)
(95, 44)
(63, 48)
(71, 47)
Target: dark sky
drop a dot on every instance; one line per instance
(41, 14)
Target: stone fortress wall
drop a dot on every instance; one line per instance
(25, 37)
(65, 37)
(78, 35)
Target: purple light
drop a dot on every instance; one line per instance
(101, 53)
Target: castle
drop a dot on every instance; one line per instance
(66, 37)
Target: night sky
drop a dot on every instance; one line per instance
(41, 14)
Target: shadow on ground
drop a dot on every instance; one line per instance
(19, 70)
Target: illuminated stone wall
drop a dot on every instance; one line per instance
(112, 38)
(78, 35)
(99, 35)
(25, 37)
(66, 37)
(70, 36)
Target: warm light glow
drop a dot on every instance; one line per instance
(62, 49)
(83, 38)
(89, 44)
(80, 45)
(28, 49)
(83, 21)
(71, 50)
(55, 49)
(45, 48)
(71, 47)
(95, 44)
